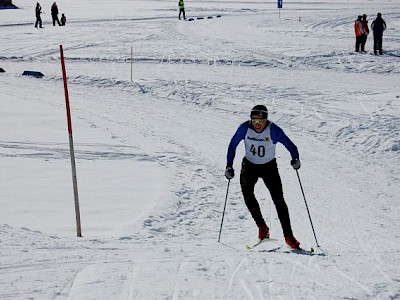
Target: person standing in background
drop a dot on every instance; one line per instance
(181, 6)
(38, 12)
(358, 31)
(365, 28)
(54, 14)
(378, 26)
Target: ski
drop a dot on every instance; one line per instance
(252, 246)
(293, 250)
(279, 249)
(300, 251)
(303, 251)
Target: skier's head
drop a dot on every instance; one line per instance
(364, 16)
(359, 17)
(259, 111)
(379, 15)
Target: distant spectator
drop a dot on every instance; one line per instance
(63, 20)
(378, 26)
(54, 14)
(365, 28)
(38, 11)
(358, 30)
(181, 6)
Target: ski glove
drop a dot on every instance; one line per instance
(295, 163)
(229, 173)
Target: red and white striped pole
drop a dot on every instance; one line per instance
(71, 146)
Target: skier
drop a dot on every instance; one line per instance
(38, 11)
(359, 32)
(378, 26)
(54, 14)
(63, 20)
(260, 138)
(365, 28)
(181, 6)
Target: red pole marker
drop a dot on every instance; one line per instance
(71, 146)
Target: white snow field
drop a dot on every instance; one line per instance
(151, 150)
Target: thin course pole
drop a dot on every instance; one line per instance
(223, 213)
(71, 146)
(131, 63)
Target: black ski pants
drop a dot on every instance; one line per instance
(55, 19)
(182, 11)
(359, 40)
(38, 21)
(378, 42)
(270, 175)
(363, 42)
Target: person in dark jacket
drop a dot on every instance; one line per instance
(364, 23)
(63, 20)
(38, 11)
(54, 14)
(378, 26)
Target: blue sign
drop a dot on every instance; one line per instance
(280, 3)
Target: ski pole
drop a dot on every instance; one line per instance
(223, 213)
(309, 216)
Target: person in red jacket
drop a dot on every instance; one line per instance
(365, 28)
(358, 30)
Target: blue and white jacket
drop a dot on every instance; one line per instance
(260, 147)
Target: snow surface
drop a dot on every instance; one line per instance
(150, 152)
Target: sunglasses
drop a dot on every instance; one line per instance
(258, 121)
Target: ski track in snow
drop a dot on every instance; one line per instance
(190, 71)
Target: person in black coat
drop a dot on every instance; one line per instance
(54, 14)
(63, 20)
(38, 11)
(378, 26)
